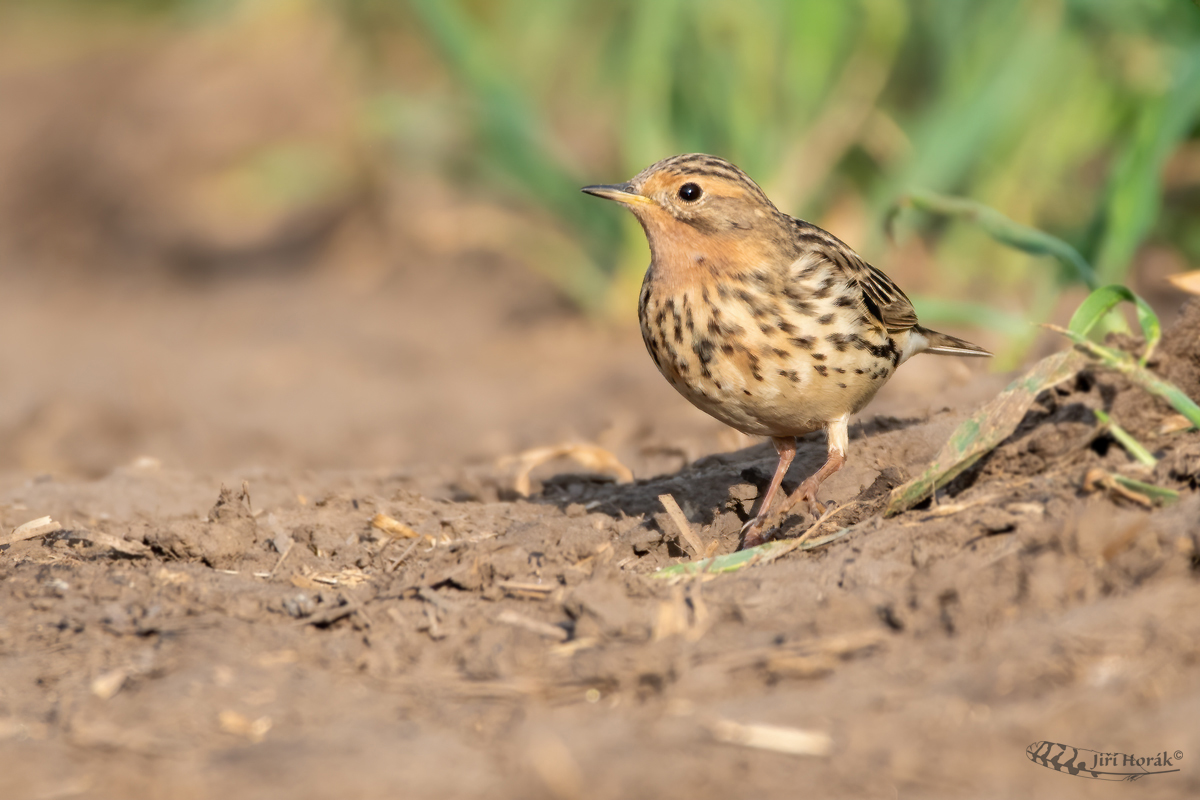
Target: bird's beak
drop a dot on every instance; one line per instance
(621, 192)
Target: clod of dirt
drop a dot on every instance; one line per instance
(889, 478)
(1179, 346)
(1182, 464)
(641, 538)
(1177, 359)
(602, 608)
(221, 541)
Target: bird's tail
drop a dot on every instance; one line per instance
(943, 344)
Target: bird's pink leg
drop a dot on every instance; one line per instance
(786, 447)
(838, 432)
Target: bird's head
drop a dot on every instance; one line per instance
(695, 200)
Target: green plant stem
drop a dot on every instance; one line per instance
(985, 429)
(1124, 364)
(1004, 230)
(1131, 445)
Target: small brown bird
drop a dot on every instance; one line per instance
(768, 323)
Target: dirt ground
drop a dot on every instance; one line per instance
(273, 643)
(218, 616)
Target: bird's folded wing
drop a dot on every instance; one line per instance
(882, 297)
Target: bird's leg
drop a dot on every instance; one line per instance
(786, 447)
(838, 433)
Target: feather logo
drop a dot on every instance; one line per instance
(1102, 766)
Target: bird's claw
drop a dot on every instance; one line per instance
(756, 529)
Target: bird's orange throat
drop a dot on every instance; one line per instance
(683, 257)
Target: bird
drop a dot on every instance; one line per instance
(766, 322)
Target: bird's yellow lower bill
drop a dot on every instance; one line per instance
(619, 192)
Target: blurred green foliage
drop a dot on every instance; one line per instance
(1061, 114)
(1064, 115)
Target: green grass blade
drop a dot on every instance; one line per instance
(1099, 303)
(730, 562)
(516, 140)
(1160, 494)
(988, 57)
(1167, 391)
(987, 428)
(1004, 230)
(1131, 445)
(1122, 362)
(763, 553)
(1135, 190)
(653, 31)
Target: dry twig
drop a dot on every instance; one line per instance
(393, 527)
(793, 741)
(681, 522)
(530, 624)
(589, 456)
(30, 530)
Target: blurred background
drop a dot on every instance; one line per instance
(348, 233)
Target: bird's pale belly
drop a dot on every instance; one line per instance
(771, 376)
(789, 404)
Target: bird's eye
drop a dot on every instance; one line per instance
(690, 192)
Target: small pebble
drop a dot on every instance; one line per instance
(300, 605)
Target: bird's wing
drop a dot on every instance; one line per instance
(882, 296)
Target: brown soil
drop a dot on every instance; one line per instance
(523, 647)
(219, 617)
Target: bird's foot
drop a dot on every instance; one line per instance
(807, 492)
(756, 530)
(754, 536)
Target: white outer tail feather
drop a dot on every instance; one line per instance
(940, 344)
